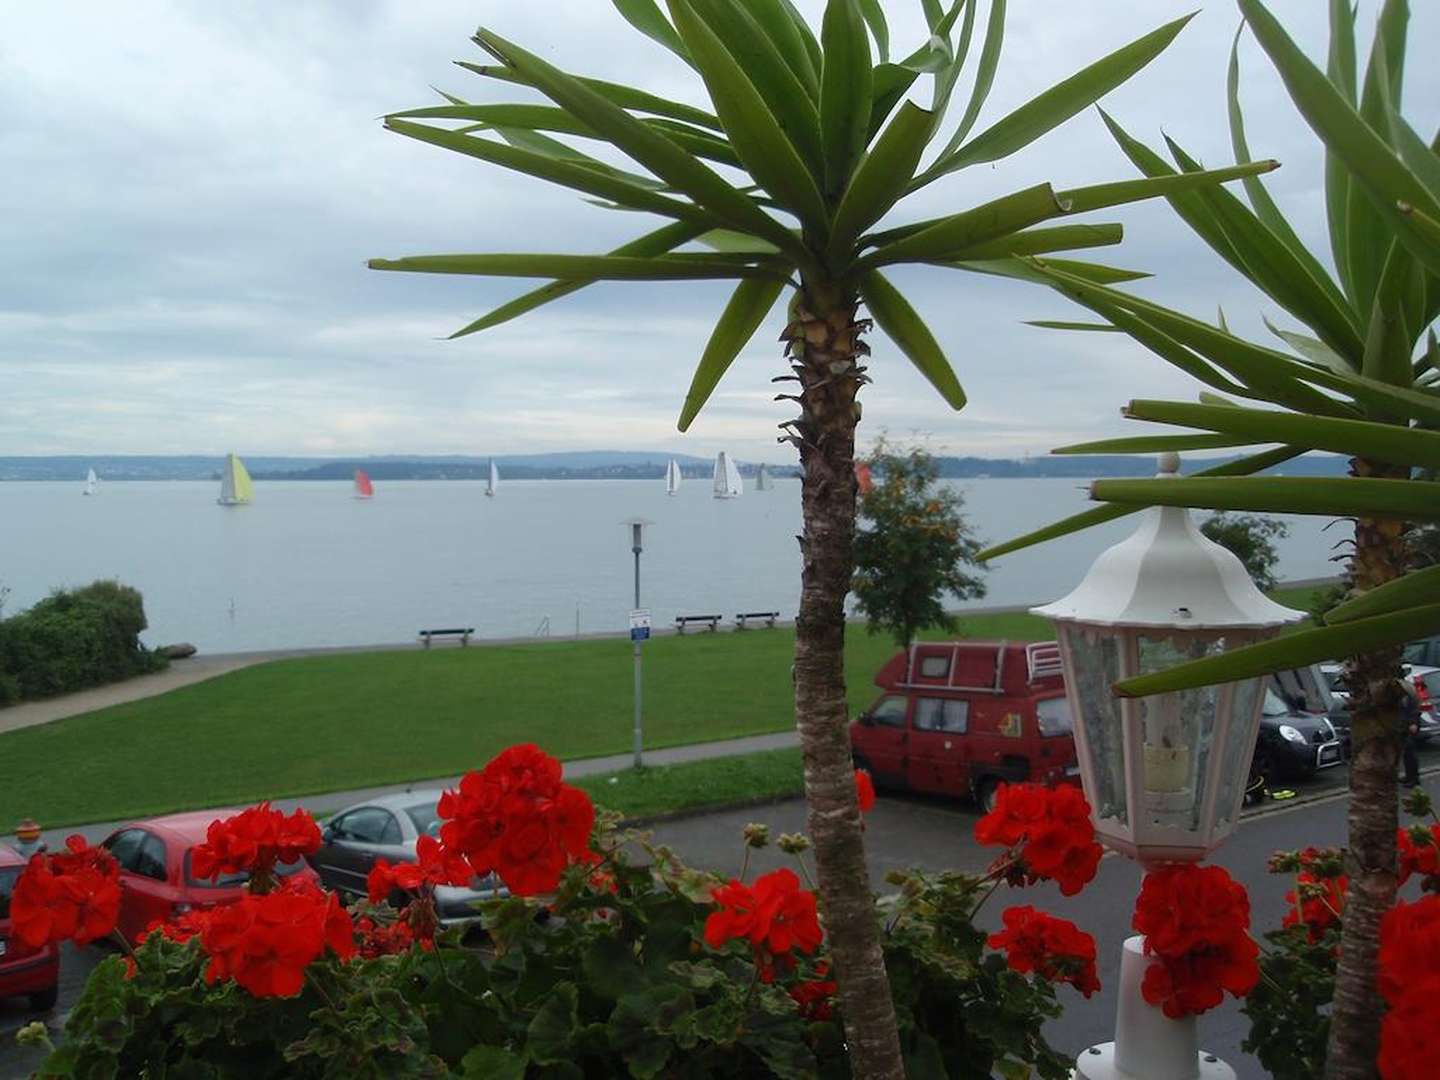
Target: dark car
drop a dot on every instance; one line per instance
(1293, 744)
(388, 828)
(1424, 653)
(1311, 689)
(24, 971)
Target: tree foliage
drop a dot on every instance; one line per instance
(914, 548)
(1250, 538)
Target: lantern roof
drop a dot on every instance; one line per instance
(1169, 574)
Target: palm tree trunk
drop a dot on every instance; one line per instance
(1380, 556)
(824, 345)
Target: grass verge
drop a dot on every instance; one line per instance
(698, 785)
(334, 723)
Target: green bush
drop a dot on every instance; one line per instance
(72, 639)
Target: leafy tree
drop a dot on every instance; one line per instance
(912, 555)
(826, 140)
(1362, 381)
(1250, 538)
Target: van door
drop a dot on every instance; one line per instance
(938, 761)
(880, 736)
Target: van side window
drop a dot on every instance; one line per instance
(1054, 717)
(889, 712)
(934, 667)
(941, 714)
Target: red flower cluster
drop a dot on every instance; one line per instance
(1409, 983)
(73, 894)
(1054, 826)
(813, 995)
(775, 916)
(265, 942)
(864, 791)
(435, 866)
(253, 841)
(518, 819)
(1196, 920)
(1055, 949)
(1419, 848)
(1316, 903)
(382, 939)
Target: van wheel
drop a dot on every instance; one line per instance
(44, 1000)
(986, 793)
(862, 762)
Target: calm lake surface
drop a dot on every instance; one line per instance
(308, 565)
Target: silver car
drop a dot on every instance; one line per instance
(387, 828)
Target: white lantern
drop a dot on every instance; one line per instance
(1165, 775)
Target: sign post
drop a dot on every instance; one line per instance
(639, 631)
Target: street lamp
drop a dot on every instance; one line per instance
(1166, 774)
(639, 626)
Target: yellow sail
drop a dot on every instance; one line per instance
(243, 491)
(235, 487)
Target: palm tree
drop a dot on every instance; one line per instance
(1364, 381)
(828, 142)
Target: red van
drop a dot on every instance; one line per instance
(959, 717)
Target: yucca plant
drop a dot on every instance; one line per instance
(825, 139)
(1363, 381)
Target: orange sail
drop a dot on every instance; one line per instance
(863, 477)
(363, 488)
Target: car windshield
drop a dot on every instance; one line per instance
(1275, 705)
(8, 875)
(426, 816)
(1335, 680)
(1053, 715)
(230, 881)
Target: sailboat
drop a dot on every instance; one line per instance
(92, 483)
(727, 478)
(494, 485)
(672, 478)
(235, 489)
(364, 489)
(763, 481)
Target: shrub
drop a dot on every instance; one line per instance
(72, 639)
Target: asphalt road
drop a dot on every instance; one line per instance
(905, 832)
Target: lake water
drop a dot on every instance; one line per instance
(308, 565)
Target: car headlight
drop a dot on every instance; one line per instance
(1293, 734)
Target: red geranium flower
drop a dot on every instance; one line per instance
(776, 916)
(1419, 849)
(1409, 1040)
(1409, 983)
(73, 894)
(265, 942)
(1195, 919)
(253, 841)
(1315, 902)
(1054, 826)
(813, 997)
(1055, 949)
(434, 866)
(517, 818)
(864, 791)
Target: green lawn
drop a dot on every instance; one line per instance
(697, 785)
(304, 726)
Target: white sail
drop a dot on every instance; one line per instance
(672, 478)
(92, 483)
(235, 488)
(727, 478)
(762, 480)
(493, 486)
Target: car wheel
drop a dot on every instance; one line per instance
(1264, 765)
(44, 1000)
(862, 762)
(987, 793)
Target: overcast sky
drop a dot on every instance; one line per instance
(191, 190)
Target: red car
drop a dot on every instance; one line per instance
(155, 877)
(961, 717)
(34, 973)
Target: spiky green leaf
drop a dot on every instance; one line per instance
(894, 315)
(592, 267)
(1405, 500)
(748, 306)
(846, 84)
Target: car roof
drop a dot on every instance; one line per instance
(398, 800)
(1420, 669)
(188, 827)
(10, 857)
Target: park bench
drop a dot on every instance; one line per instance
(755, 616)
(712, 621)
(463, 633)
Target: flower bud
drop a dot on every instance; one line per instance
(757, 836)
(794, 843)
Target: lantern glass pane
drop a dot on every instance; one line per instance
(1240, 746)
(1095, 659)
(1177, 734)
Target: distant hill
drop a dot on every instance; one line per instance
(572, 465)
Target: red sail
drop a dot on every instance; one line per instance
(363, 487)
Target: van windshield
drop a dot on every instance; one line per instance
(1053, 716)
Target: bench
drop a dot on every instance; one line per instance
(711, 621)
(746, 616)
(463, 633)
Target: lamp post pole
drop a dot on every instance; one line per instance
(635, 546)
